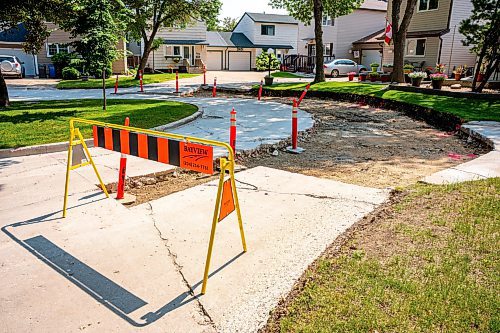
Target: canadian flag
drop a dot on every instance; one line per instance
(388, 33)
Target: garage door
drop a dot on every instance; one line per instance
(29, 66)
(371, 56)
(214, 60)
(239, 61)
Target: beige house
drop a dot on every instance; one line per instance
(433, 35)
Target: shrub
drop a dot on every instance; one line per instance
(375, 64)
(98, 73)
(408, 66)
(374, 74)
(262, 62)
(61, 59)
(416, 75)
(70, 73)
(78, 64)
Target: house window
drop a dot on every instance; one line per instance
(55, 48)
(267, 30)
(415, 47)
(328, 21)
(177, 51)
(327, 49)
(425, 5)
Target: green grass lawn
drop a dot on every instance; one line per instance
(431, 264)
(123, 82)
(33, 123)
(286, 75)
(467, 109)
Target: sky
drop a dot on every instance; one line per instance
(236, 8)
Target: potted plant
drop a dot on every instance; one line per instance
(362, 76)
(268, 80)
(385, 77)
(408, 68)
(374, 66)
(440, 68)
(387, 68)
(437, 80)
(459, 71)
(374, 76)
(416, 78)
(351, 75)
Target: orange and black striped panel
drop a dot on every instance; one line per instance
(193, 156)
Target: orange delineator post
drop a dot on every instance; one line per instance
(214, 89)
(294, 125)
(116, 84)
(123, 171)
(140, 80)
(232, 131)
(303, 94)
(260, 90)
(176, 81)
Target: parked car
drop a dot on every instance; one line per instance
(11, 66)
(342, 67)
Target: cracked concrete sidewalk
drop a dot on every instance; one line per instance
(109, 268)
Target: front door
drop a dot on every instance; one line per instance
(187, 54)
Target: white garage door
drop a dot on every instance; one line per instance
(214, 60)
(29, 65)
(371, 56)
(239, 61)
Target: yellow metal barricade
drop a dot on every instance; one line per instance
(226, 164)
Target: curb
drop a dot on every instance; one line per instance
(63, 146)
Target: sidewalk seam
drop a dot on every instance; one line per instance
(178, 268)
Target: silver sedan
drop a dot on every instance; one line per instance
(342, 67)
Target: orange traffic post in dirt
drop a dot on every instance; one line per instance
(214, 89)
(176, 82)
(140, 81)
(232, 131)
(303, 94)
(116, 84)
(295, 131)
(123, 171)
(260, 90)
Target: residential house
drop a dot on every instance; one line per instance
(191, 47)
(11, 43)
(340, 33)
(433, 35)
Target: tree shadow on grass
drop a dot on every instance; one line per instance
(28, 117)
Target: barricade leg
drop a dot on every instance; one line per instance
(68, 168)
(237, 206)
(223, 164)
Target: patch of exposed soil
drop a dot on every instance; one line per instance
(369, 146)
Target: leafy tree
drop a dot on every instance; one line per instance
(149, 16)
(33, 13)
(99, 25)
(227, 24)
(306, 10)
(399, 29)
(482, 32)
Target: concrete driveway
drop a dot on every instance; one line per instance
(107, 268)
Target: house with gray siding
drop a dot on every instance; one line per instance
(433, 35)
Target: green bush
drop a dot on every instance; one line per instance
(61, 59)
(262, 62)
(78, 64)
(98, 73)
(70, 73)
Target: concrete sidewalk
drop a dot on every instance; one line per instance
(106, 268)
(486, 166)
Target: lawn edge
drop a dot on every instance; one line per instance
(63, 146)
(335, 249)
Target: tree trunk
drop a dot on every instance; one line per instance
(489, 71)
(4, 92)
(398, 72)
(104, 88)
(318, 32)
